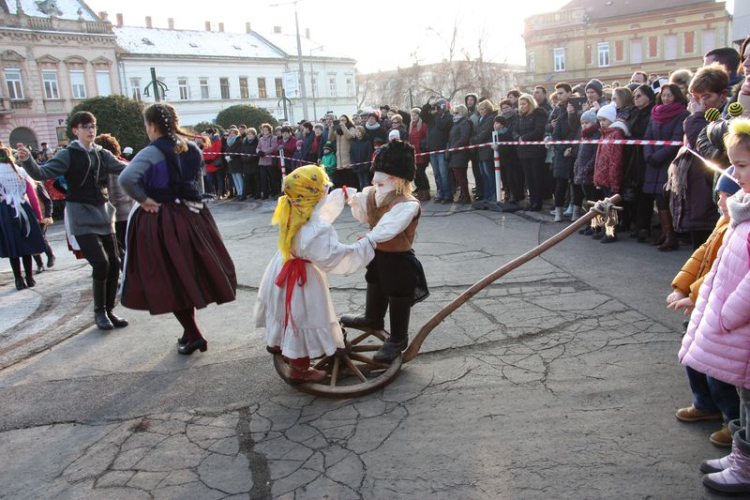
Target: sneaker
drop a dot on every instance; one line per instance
(693, 414)
(721, 438)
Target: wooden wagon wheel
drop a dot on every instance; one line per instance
(352, 372)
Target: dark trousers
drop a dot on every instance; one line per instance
(533, 171)
(699, 238)
(461, 176)
(561, 190)
(423, 184)
(103, 255)
(645, 208)
(587, 191)
(713, 396)
(252, 185)
(512, 177)
(215, 183)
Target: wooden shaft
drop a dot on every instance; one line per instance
(446, 311)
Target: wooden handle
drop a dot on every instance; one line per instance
(413, 349)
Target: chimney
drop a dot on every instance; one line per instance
(277, 29)
(208, 25)
(119, 20)
(148, 21)
(307, 33)
(248, 29)
(170, 23)
(221, 27)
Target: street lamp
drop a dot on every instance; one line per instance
(303, 87)
(312, 81)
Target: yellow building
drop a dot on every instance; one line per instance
(611, 39)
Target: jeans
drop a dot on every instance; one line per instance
(239, 184)
(215, 182)
(487, 167)
(711, 395)
(443, 178)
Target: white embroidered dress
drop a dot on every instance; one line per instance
(313, 329)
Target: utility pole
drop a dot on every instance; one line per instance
(303, 86)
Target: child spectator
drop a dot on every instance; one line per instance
(296, 157)
(608, 165)
(583, 167)
(361, 156)
(329, 159)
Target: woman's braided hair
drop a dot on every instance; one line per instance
(6, 156)
(164, 117)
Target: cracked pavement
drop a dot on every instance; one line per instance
(558, 381)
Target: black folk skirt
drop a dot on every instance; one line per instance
(19, 235)
(398, 274)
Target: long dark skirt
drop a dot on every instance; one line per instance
(176, 260)
(398, 274)
(19, 236)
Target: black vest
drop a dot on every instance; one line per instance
(87, 182)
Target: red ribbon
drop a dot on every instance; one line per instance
(346, 195)
(292, 273)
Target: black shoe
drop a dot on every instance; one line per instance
(586, 231)
(51, 261)
(399, 312)
(30, 282)
(181, 340)
(362, 323)
(375, 306)
(642, 235)
(193, 346)
(100, 311)
(609, 239)
(20, 284)
(102, 321)
(117, 321)
(390, 351)
(598, 235)
(39, 268)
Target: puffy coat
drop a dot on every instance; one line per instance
(360, 153)
(717, 341)
(269, 146)
(531, 128)
(566, 128)
(658, 158)
(439, 127)
(343, 145)
(459, 136)
(585, 154)
(608, 166)
(213, 154)
(694, 271)
(482, 134)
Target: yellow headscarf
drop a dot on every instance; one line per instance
(303, 189)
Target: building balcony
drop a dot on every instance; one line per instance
(20, 103)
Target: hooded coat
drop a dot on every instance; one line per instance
(459, 137)
(608, 166)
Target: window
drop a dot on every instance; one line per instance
(589, 57)
(349, 85)
(531, 62)
(244, 92)
(689, 42)
(670, 47)
(636, 51)
(559, 59)
(708, 40)
(78, 84)
(204, 88)
(279, 87)
(603, 50)
(332, 85)
(262, 88)
(14, 83)
(135, 85)
(182, 83)
(653, 46)
(103, 83)
(224, 84)
(51, 88)
(619, 50)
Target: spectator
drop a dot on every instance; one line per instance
(397, 124)
(458, 161)
(540, 96)
(287, 146)
(384, 117)
(594, 95)
(316, 149)
(531, 123)
(639, 77)
(513, 97)
(307, 142)
(681, 78)
(471, 100)
(250, 169)
(234, 160)
(485, 156)
(622, 98)
(666, 124)
(418, 139)
(511, 173)
(214, 165)
(436, 114)
(267, 147)
(635, 171)
(374, 128)
(341, 136)
(565, 125)
(583, 166)
(729, 59)
(360, 153)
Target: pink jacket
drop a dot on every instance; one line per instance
(717, 341)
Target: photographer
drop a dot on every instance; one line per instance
(436, 114)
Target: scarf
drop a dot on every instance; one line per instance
(663, 113)
(588, 132)
(303, 189)
(13, 193)
(738, 206)
(231, 140)
(374, 126)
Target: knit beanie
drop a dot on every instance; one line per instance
(609, 112)
(299, 143)
(589, 116)
(394, 135)
(727, 185)
(596, 85)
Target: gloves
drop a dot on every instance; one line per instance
(261, 154)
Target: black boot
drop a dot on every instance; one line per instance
(116, 321)
(400, 310)
(39, 264)
(375, 306)
(26, 259)
(15, 264)
(100, 311)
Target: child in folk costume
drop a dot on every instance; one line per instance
(175, 260)
(294, 304)
(717, 341)
(20, 236)
(395, 278)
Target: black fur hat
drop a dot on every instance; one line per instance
(397, 159)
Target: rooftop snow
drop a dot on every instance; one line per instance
(139, 40)
(68, 8)
(288, 43)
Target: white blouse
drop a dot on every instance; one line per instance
(392, 223)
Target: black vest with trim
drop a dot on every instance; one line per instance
(87, 181)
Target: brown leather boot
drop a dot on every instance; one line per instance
(667, 231)
(300, 371)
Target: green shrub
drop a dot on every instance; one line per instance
(201, 127)
(243, 114)
(117, 115)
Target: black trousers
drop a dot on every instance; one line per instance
(561, 190)
(588, 191)
(102, 252)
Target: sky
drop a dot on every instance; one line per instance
(381, 35)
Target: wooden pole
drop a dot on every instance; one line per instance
(413, 349)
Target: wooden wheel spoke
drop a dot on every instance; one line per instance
(323, 363)
(368, 361)
(335, 371)
(354, 369)
(359, 338)
(379, 334)
(365, 348)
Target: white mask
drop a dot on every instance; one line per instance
(384, 184)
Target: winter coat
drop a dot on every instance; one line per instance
(585, 158)
(329, 162)
(360, 152)
(566, 128)
(342, 143)
(439, 127)
(474, 115)
(234, 160)
(416, 135)
(508, 154)
(693, 210)
(212, 156)
(608, 166)
(717, 341)
(373, 134)
(249, 158)
(483, 133)
(459, 136)
(307, 142)
(635, 170)
(289, 147)
(658, 158)
(267, 145)
(694, 271)
(531, 128)
(122, 202)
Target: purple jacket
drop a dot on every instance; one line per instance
(717, 341)
(658, 158)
